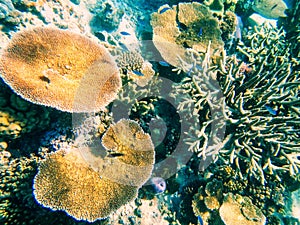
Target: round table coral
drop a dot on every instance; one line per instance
(60, 69)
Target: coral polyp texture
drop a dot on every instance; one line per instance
(60, 69)
(134, 67)
(130, 154)
(90, 187)
(187, 25)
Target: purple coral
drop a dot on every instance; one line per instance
(157, 185)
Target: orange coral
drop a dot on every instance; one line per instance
(60, 69)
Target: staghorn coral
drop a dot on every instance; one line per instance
(96, 185)
(262, 97)
(47, 60)
(188, 25)
(291, 24)
(261, 110)
(205, 95)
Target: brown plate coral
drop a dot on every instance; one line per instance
(90, 187)
(60, 69)
(187, 25)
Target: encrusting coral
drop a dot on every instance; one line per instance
(187, 25)
(60, 69)
(90, 186)
(19, 117)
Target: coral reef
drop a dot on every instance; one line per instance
(47, 60)
(234, 119)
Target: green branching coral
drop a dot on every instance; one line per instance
(261, 106)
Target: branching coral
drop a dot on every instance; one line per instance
(206, 96)
(263, 106)
(261, 110)
(60, 69)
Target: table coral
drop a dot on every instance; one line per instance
(47, 60)
(17, 203)
(238, 209)
(187, 25)
(96, 186)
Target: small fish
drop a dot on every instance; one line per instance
(137, 73)
(157, 185)
(123, 46)
(114, 154)
(164, 10)
(239, 28)
(163, 63)
(46, 79)
(200, 32)
(200, 220)
(274, 6)
(125, 33)
(271, 110)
